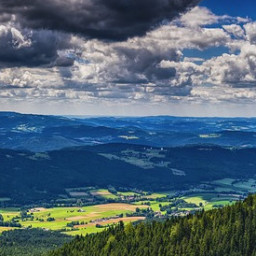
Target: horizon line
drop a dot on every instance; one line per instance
(129, 116)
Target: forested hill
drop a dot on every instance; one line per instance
(28, 177)
(230, 231)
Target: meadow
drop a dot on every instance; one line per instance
(88, 217)
(123, 206)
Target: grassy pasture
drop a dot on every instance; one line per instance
(103, 193)
(153, 204)
(128, 193)
(218, 193)
(157, 195)
(195, 200)
(210, 200)
(211, 205)
(65, 215)
(9, 213)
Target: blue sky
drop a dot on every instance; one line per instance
(242, 8)
(233, 8)
(115, 61)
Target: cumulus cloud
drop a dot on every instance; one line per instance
(199, 16)
(234, 70)
(153, 67)
(235, 30)
(250, 29)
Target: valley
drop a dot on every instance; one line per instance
(39, 178)
(107, 207)
(66, 176)
(127, 128)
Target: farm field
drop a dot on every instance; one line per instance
(209, 201)
(128, 206)
(103, 193)
(82, 220)
(154, 205)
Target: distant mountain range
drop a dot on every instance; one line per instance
(43, 133)
(41, 156)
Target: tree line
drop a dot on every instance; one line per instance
(230, 231)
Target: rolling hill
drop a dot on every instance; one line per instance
(45, 133)
(28, 177)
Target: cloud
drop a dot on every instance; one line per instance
(22, 47)
(154, 67)
(235, 30)
(234, 70)
(217, 94)
(199, 16)
(250, 29)
(101, 19)
(144, 64)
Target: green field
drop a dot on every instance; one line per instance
(83, 220)
(104, 214)
(103, 193)
(196, 200)
(129, 193)
(89, 216)
(158, 195)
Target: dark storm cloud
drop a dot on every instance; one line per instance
(140, 62)
(32, 48)
(101, 19)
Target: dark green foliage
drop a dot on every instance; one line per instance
(179, 203)
(28, 178)
(12, 223)
(30, 242)
(230, 231)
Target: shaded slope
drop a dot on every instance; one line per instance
(26, 176)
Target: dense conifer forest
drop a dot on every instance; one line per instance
(230, 231)
(30, 242)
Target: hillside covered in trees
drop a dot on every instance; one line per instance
(28, 177)
(230, 231)
(30, 242)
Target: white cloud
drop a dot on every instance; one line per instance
(199, 16)
(250, 29)
(151, 68)
(235, 30)
(234, 70)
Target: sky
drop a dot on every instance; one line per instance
(128, 57)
